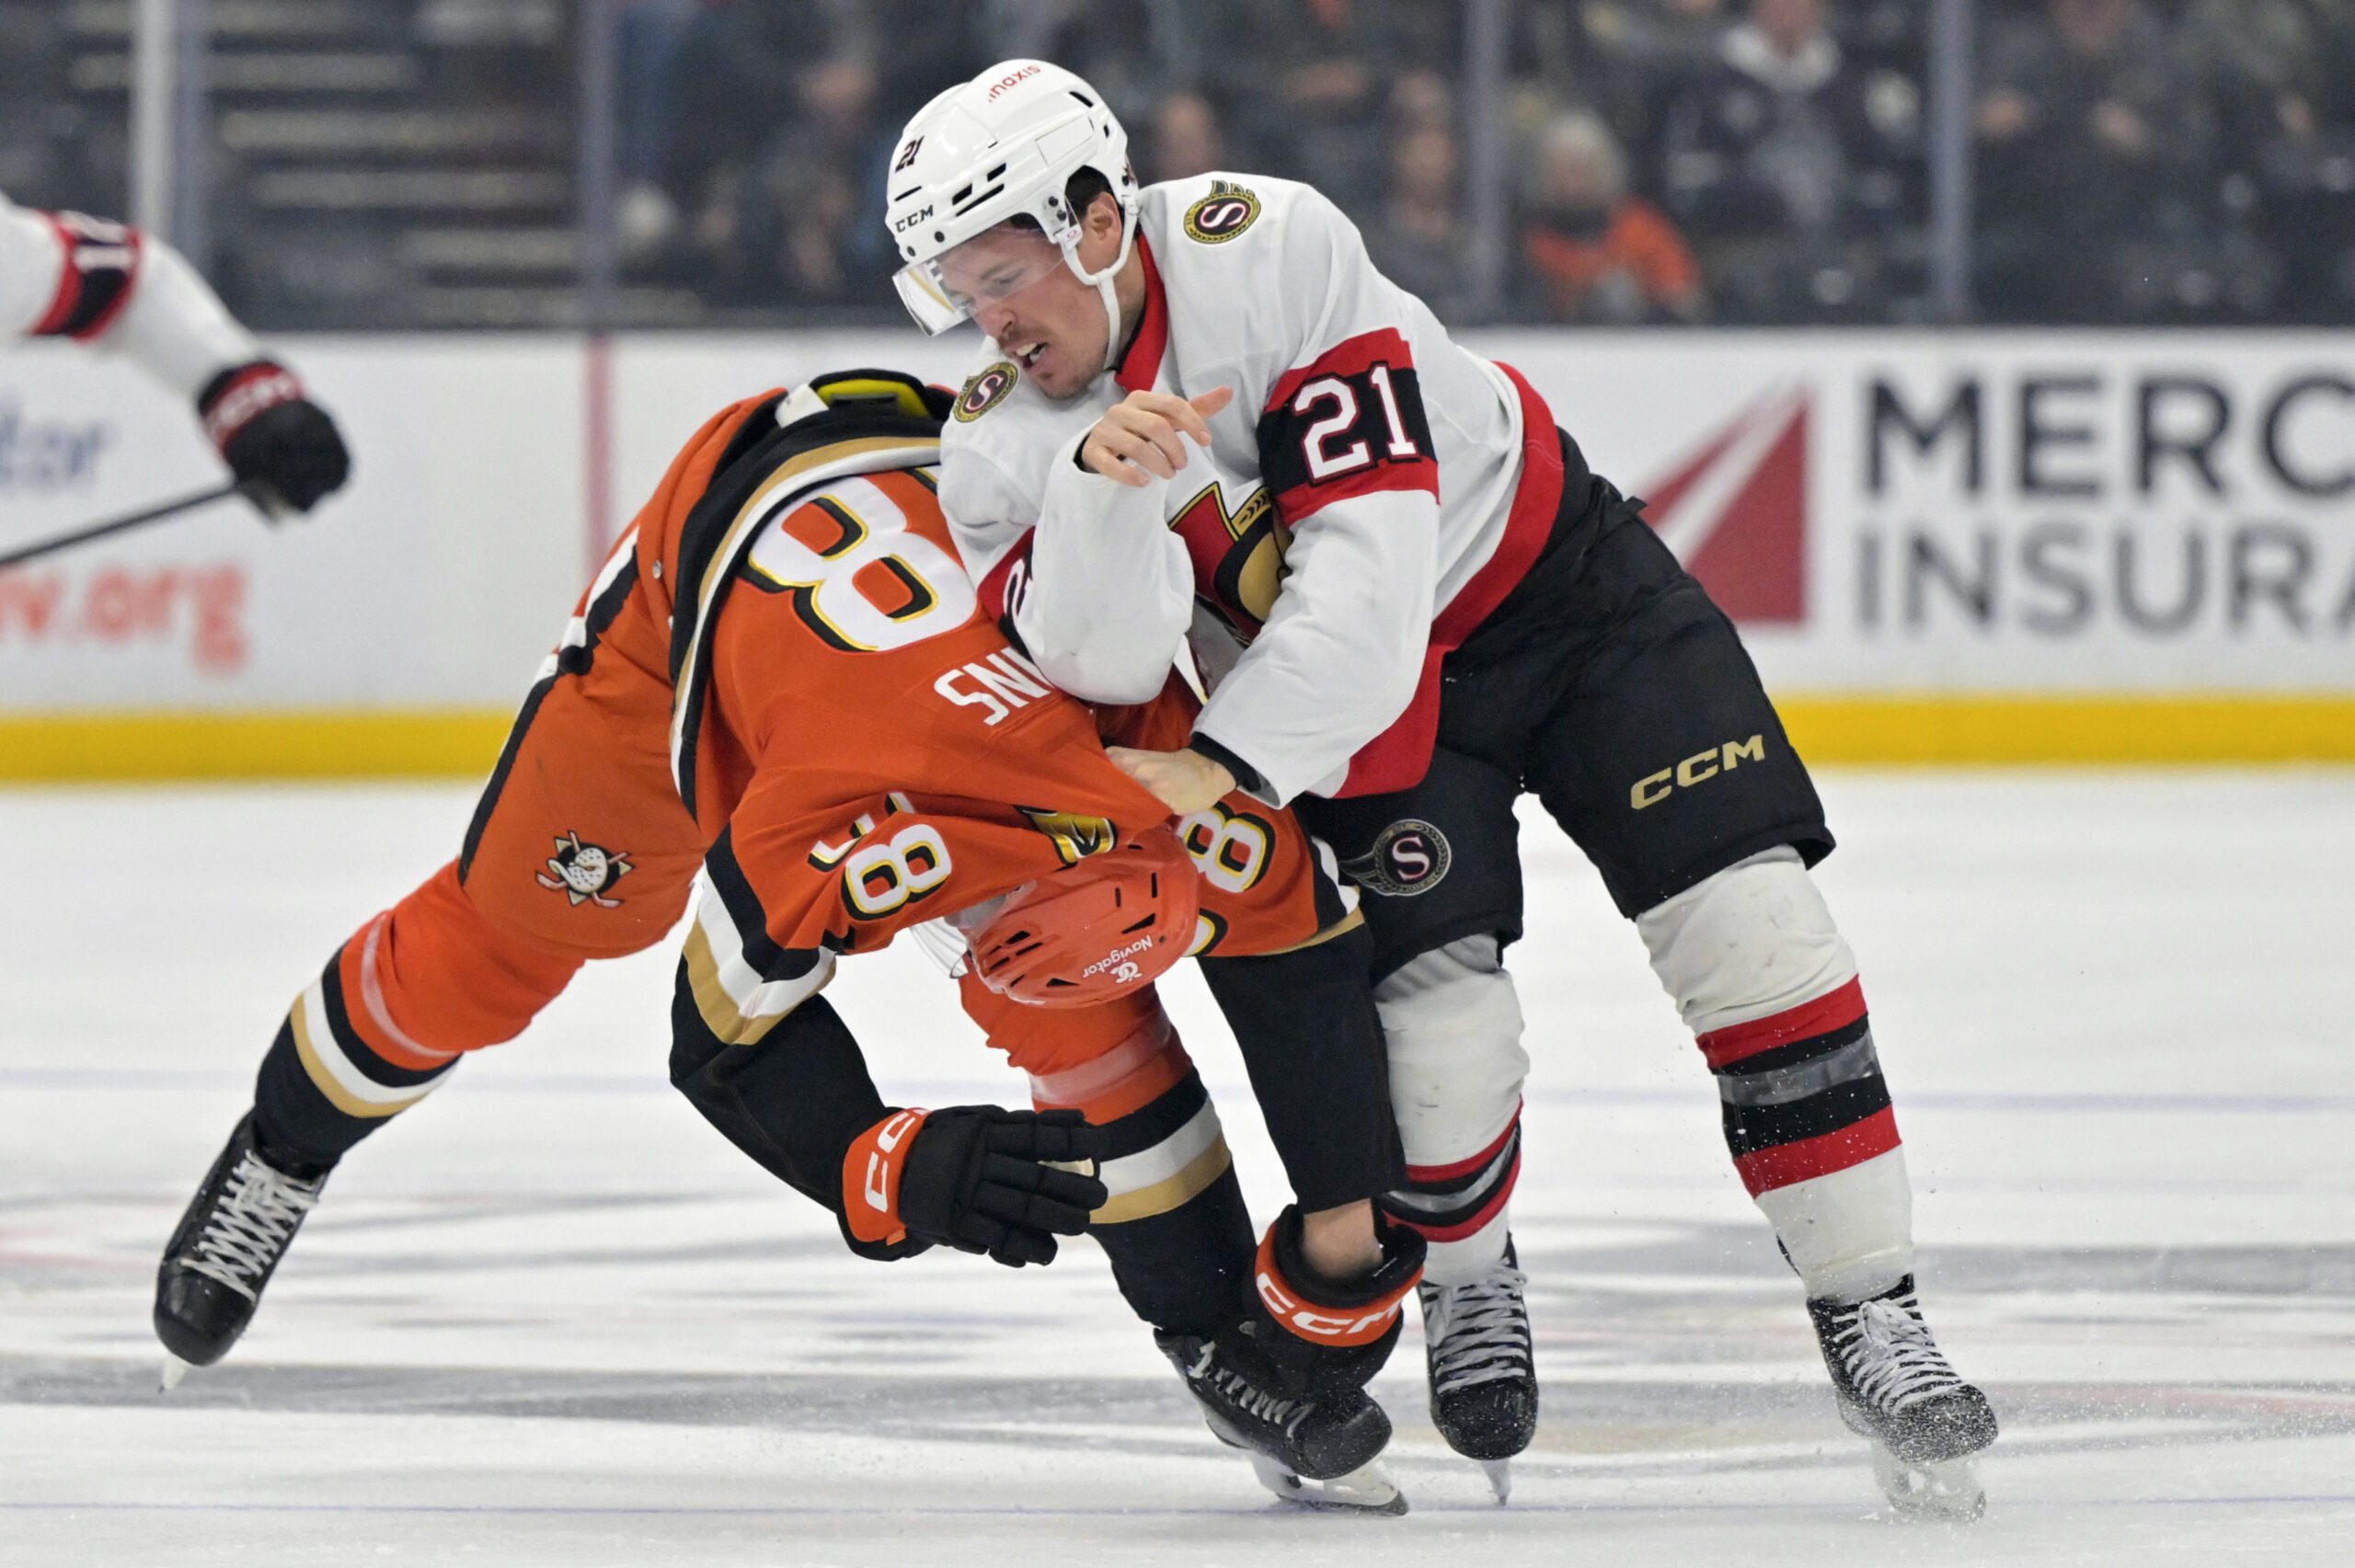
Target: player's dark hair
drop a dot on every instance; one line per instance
(1084, 187)
(1081, 190)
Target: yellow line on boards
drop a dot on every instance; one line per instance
(353, 743)
(2075, 729)
(1930, 729)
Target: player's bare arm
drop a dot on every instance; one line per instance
(1184, 781)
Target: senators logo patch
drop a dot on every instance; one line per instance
(1226, 213)
(985, 390)
(1409, 858)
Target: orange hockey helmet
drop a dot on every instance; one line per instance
(1115, 921)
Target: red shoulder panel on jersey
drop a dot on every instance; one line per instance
(1141, 366)
(1001, 587)
(101, 268)
(1350, 423)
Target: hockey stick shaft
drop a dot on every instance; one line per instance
(117, 525)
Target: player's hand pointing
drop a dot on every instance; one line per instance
(1138, 437)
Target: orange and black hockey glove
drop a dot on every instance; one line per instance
(978, 1178)
(1315, 1336)
(284, 450)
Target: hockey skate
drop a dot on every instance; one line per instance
(1483, 1375)
(1896, 1392)
(1316, 1452)
(228, 1244)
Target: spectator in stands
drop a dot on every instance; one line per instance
(1317, 79)
(647, 37)
(1185, 140)
(748, 72)
(1630, 57)
(783, 115)
(1418, 240)
(2282, 75)
(2092, 144)
(59, 148)
(1782, 158)
(1591, 252)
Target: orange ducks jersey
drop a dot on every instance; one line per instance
(847, 744)
(779, 699)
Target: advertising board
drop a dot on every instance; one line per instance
(1994, 513)
(2062, 544)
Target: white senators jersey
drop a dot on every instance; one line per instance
(65, 275)
(1371, 494)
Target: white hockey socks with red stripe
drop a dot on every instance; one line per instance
(1453, 1023)
(1770, 991)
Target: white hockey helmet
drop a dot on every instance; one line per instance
(1003, 146)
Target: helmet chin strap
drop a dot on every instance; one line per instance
(1103, 283)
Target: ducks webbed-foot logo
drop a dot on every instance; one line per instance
(584, 872)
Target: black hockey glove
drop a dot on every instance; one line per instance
(284, 450)
(976, 1178)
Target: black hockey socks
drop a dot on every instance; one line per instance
(1319, 1065)
(1173, 1224)
(323, 1087)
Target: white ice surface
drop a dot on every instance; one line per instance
(551, 1317)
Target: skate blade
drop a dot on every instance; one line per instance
(1499, 1474)
(1365, 1489)
(174, 1370)
(1941, 1492)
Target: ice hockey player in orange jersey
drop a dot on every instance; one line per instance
(782, 680)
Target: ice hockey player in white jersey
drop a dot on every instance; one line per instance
(65, 275)
(1204, 420)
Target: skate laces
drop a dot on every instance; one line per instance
(1241, 1393)
(250, 1224)
(1891, 1356)
(1478, 1333)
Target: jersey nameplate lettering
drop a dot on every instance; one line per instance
(1003, 683)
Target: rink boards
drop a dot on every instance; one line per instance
(1970, 546)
